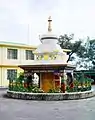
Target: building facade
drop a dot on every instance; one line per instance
(11, 56)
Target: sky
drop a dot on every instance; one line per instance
(22, 21)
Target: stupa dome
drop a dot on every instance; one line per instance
(47, 48)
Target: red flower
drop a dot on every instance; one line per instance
(25, 85)
(63, 87)
(72, 85)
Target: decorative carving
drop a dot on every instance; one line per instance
(39, 57)
(46, 56)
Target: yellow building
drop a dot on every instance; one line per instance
(12, 55)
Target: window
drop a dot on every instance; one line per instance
(29, 55)
(12, 53)
(11, 74)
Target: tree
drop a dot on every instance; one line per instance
(76, 47)
(90, 54)
(84, 52)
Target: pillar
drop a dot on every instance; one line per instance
(63, 82)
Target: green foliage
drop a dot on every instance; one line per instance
(36, 89)
(90, 54)
(80, 78)
(21, 88)
(21, 85)
(85, 52)
(76, 83)
(81, 83)
(62, 80)
(20, 78)
(57, 90)
(76, 47)
(88, 57)
(78, 89)
(17, 87)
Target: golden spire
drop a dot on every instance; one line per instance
(49, 24)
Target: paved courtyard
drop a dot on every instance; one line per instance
(12, 109)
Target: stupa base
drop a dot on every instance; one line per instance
(50, 96)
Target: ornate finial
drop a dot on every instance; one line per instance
(49, 24)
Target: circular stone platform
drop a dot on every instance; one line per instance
(50, 96)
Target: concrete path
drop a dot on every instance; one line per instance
(12, 109)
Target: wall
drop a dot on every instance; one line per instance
(0, 55)
(21, 57)
(3, 75)
(10, 63)
(0, 77)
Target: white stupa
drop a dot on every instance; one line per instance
(50, 60)
(49, 52)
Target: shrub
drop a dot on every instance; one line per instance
(54, 90)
